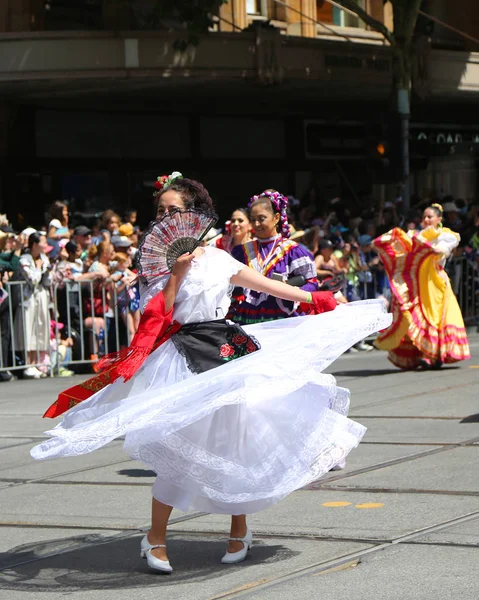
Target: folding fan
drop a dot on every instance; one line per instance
(177, 232)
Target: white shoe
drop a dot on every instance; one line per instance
(32, 373)
(362, 346)
(153, 562)
(235, 557)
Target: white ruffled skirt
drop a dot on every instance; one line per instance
(240, 437)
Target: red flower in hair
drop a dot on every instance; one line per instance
(160, 182)
(226, 351)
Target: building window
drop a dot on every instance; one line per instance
(332, 15)
(253, 7)
(257, 8)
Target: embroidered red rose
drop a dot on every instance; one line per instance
(226, 351)
(250, 347)
(239, 339)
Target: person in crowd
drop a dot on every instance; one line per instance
(58, 228)
(82, 237)
(97, 305)
(10, 253)
(368, 259)
(238, 231)
(310, 240)
(127, 294)
(132, 233)
(275, 256)
(240, 440)
(60, 350)
(110, 224)
(9, 263)
(330, 263)
(452, 220)
(428, 328)
(32, 317)
(326, 263)
(349, 260)
(96, 235)
(373, 279)
(131, 218)
(121, 243)
(126, 229)
(68, 276)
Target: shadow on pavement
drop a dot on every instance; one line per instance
(378, 372)
(471, 419)
(137, 473)
(366, 372)
(117, 564)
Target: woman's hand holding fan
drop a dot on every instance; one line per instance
(176, 233)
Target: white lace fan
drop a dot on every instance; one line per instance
(177, 232)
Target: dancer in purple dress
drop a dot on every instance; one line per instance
(274, 255)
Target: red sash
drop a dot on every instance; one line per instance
(155, 328)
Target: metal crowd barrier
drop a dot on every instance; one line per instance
(464, 276)
(67, 306)
(95, 331)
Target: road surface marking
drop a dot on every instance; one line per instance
(370, 505)
(336, 504)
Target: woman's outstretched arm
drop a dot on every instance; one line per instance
(252, 280)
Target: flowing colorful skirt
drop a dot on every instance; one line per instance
(427, 321)
(241, 436)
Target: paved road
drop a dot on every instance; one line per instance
(400, 522)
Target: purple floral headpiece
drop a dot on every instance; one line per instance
(280, 205)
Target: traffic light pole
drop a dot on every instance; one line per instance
(403, 110)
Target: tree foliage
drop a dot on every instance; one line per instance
(405, 14)
(192, 16)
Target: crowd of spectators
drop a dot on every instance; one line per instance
(340, 237)
(89, 267)
(61, 287)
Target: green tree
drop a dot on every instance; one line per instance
(405, 14)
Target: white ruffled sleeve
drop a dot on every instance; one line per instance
(446, 242)
(147, 292)
(227, 265)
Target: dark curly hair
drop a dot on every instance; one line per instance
(192, 192)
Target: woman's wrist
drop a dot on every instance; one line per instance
(309, 298)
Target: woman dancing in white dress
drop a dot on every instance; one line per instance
(224, 436)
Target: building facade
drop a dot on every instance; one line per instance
(95, 102)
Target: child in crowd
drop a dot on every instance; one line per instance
(128, 297)
(131, 217)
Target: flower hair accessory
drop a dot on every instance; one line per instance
(280, 205)
(166, 180)
(438, 206)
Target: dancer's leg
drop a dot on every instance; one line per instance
(160, 513)
(238, 530)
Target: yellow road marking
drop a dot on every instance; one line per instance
(336, 504)
(242, 588)
(348, 565)
(473, 366)
(370, 505)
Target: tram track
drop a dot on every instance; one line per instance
(361, 547)
(250, 590)
(52, 479)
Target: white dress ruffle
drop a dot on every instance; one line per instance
(240, 437)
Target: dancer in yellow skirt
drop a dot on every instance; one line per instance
(428, 328)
